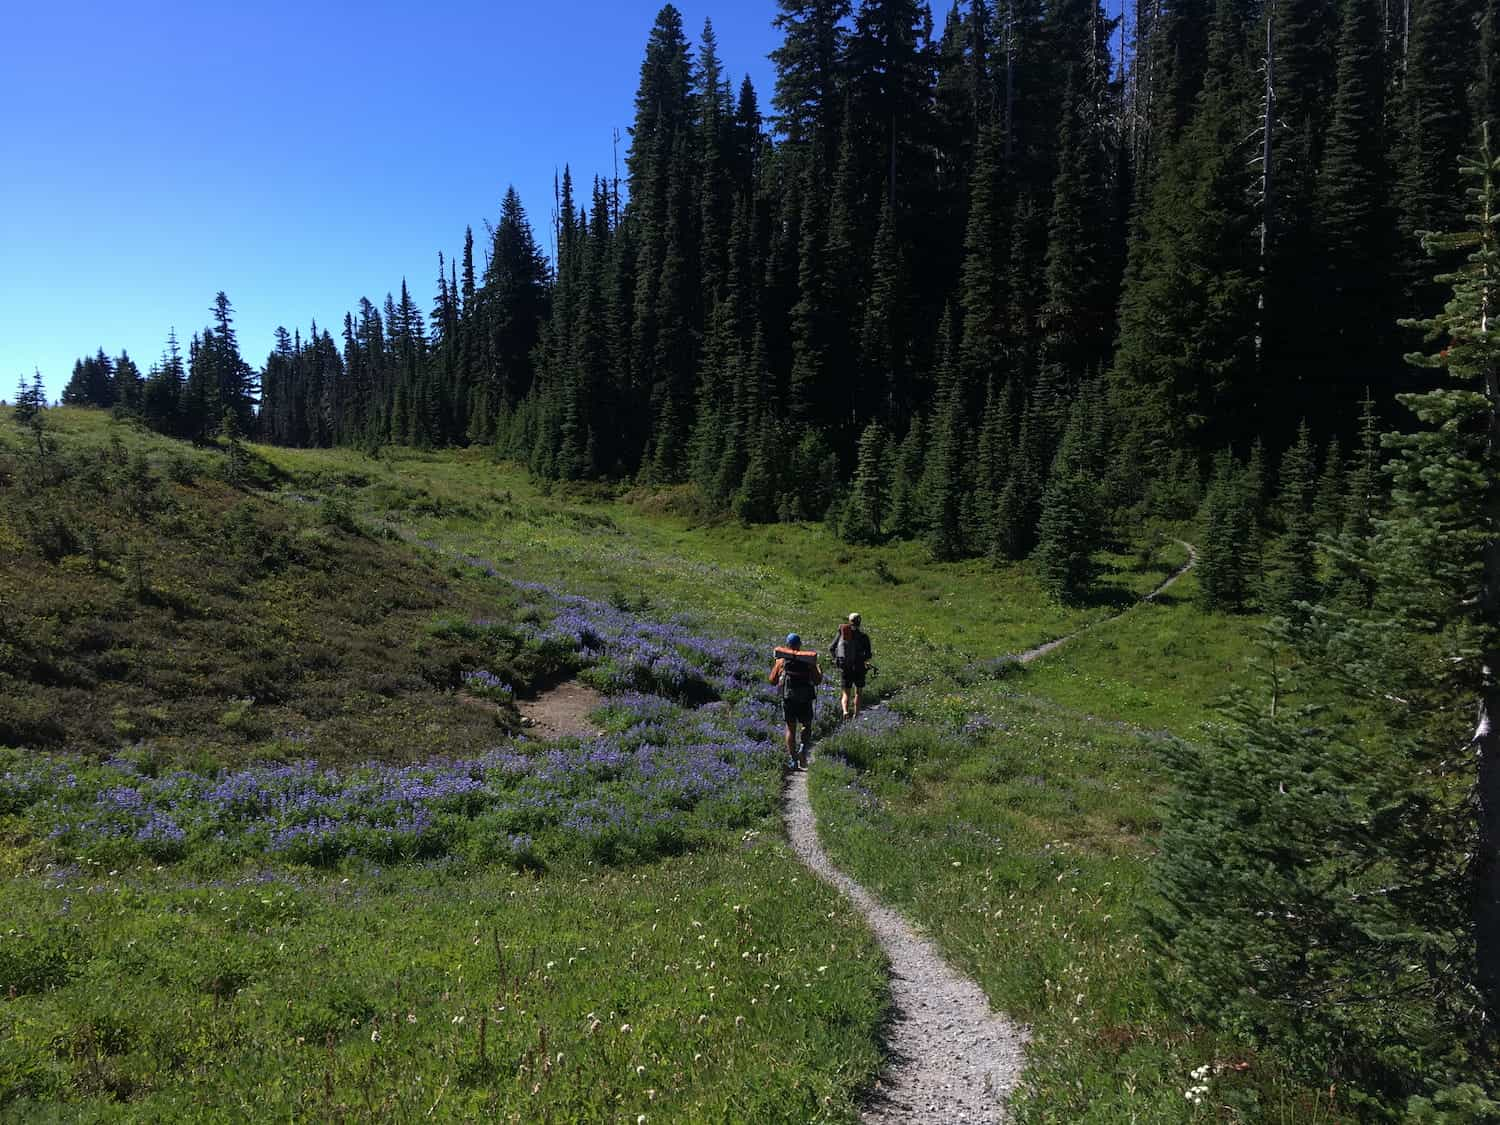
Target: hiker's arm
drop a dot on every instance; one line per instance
(776, 668)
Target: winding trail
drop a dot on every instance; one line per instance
(1042, 650)
(951, 1059)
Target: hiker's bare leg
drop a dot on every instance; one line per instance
(856, 694)
(791, 740)
(844, 703)
(806, 743)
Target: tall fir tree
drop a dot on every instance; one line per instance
(810, 70)
(1355, 234)
(864, 513)
(1293, 580)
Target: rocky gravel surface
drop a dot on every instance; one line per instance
(951, 1061)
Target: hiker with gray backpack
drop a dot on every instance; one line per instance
(852, 653)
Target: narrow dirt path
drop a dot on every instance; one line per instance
(560, 711)
(1042, 650)
(952, 1059)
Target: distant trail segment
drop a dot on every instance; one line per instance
(1042, 650)
(951, 1059)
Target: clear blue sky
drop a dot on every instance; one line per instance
(295, 155)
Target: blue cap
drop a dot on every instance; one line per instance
(793, 641)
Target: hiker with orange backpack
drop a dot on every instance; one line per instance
(852, 653)
(796, 671)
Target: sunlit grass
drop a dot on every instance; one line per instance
(689, 990)
(1021, 842)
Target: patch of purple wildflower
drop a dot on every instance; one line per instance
(663, 775)
(487, 685)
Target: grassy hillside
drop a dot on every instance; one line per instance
(185, 630)
(145, 597)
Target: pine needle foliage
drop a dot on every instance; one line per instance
(1328, 873)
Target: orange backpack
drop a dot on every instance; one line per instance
(799, 672)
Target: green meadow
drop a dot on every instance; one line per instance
(215, 612)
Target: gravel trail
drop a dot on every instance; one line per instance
(952, 1061)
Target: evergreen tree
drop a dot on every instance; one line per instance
(905, 518)
(1328, 508)
(890, 89)
(1017, 510)
(864, 511)
(512, 304)
(1186, 361)
(992, 464)
(1070, 529)
(755, 498)
(1340, 901)
(676, 318)
(162, 396)
(1296, 88)
(1355, 235)
(943, 482)
(92, 382)
(200, 392)
(31, 400)
(1294, 574)
(809, 70)
(1447, 498)
(1226, 547)
(810, 382)
(883, 340)
(1082, 267)
(1363, 501)
(715, 143)
(982, 291)
(129, 385)
(1363, 504)
(235, 385)
(1434, 131)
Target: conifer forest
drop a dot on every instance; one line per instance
(1019, 287)
(933, 253)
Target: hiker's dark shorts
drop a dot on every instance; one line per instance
(854, 676)
(797, 711)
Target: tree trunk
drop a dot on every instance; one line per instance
(1486, 872)
(1010, 80)
(1267, 200)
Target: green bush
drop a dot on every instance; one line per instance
(36, 963)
